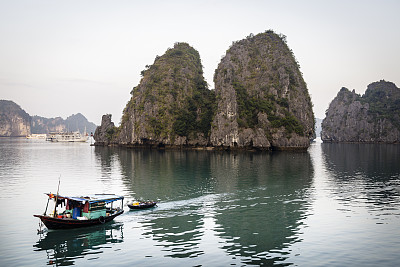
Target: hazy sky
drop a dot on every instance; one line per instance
(58, 58)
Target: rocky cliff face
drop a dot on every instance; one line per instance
(371, 118)
(105, 131)
(263, 100)
(14, 121)
(171, 106)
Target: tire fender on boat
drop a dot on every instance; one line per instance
(102, 219)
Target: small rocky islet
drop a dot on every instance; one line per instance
(371, 118)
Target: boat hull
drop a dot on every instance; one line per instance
(63, 223)
(142, 206)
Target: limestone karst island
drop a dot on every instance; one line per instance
(260, 101)
(371, 118)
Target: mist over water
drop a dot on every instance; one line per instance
(334, 205)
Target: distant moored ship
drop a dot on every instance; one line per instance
(36, 136)
(67, 137)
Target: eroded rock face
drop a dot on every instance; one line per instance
(371, 118)
(263, 101)
(104, 132)
(14, 121)
(172, 105)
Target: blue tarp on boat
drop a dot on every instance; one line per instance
(107, 198)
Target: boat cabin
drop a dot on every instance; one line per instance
(85, 207)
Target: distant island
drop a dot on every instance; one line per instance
(371, 118)
(318, 127)
(260, 101)
(15, 122)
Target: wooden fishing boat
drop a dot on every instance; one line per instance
(140, 205)
(81, 211)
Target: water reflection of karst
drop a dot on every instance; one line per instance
(179, 235)
(373, 160)
(269, 200)
(64, 247)
(165, 175)
(364, 173)
(106, 157)
(256, 201)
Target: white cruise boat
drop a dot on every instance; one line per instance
(36, 136)
(67, 137)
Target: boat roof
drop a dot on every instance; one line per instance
(92, 198)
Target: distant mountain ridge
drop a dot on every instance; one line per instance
(75, 122)
(15, 122)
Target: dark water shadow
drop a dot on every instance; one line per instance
(64, 247)
(264, 214)
(365, 174)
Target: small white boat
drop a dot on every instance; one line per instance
(36, 136)
(67, 137)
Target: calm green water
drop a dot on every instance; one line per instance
(335, 205)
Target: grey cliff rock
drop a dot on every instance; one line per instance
(263, 101)
(371, 118)
(14, 121)
(103, 133)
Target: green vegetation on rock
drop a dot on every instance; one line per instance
(268, 88)
(250, 106)
(172, 99)
(384, 101)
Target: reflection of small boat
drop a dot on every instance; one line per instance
(140, 205)
(81, 211)
(63, 248)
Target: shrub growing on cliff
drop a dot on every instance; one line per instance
(290, 123)
(112, 133)
(172, 99)
(196, 115)
(384, 101)
(250, 106)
